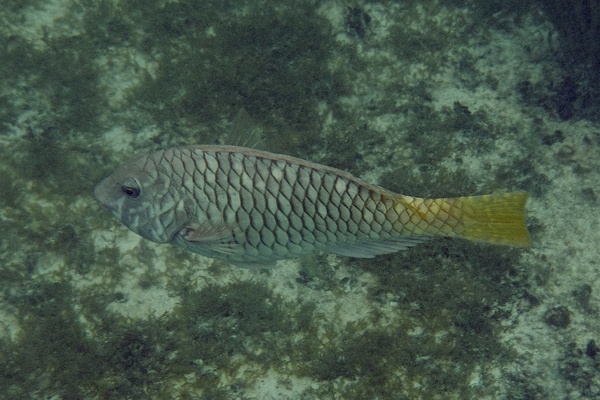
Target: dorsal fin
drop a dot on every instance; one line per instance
(244, 132)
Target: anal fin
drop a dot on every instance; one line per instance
(372, 248)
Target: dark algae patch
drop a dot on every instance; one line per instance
(450, 302)
(453, 299)
(271, 61)
(214, 331)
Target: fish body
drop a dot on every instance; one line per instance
(251, 208)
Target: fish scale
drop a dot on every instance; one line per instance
(251, 208)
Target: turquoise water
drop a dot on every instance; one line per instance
(426, 98)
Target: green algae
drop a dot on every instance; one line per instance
(213, 327)
(73, 98)
(55, 353)
(577, 24)
(316, 272)
(462, 292)
(269, 61)
(250, 305)
(52, 349)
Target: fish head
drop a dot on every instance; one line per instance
(138, 194)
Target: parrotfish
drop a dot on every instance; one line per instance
(250, 208)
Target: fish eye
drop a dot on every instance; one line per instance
(131, 188)
(131, 191)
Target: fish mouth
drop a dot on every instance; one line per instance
(101, 194)
(107, 207)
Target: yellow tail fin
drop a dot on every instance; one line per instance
(496, 219)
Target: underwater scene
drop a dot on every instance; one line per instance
(431, 99)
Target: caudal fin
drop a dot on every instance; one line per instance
(496, 219)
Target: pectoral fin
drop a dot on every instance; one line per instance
(208, 238)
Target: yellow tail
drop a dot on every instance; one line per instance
(496, 219)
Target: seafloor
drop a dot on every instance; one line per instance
(426, 98)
